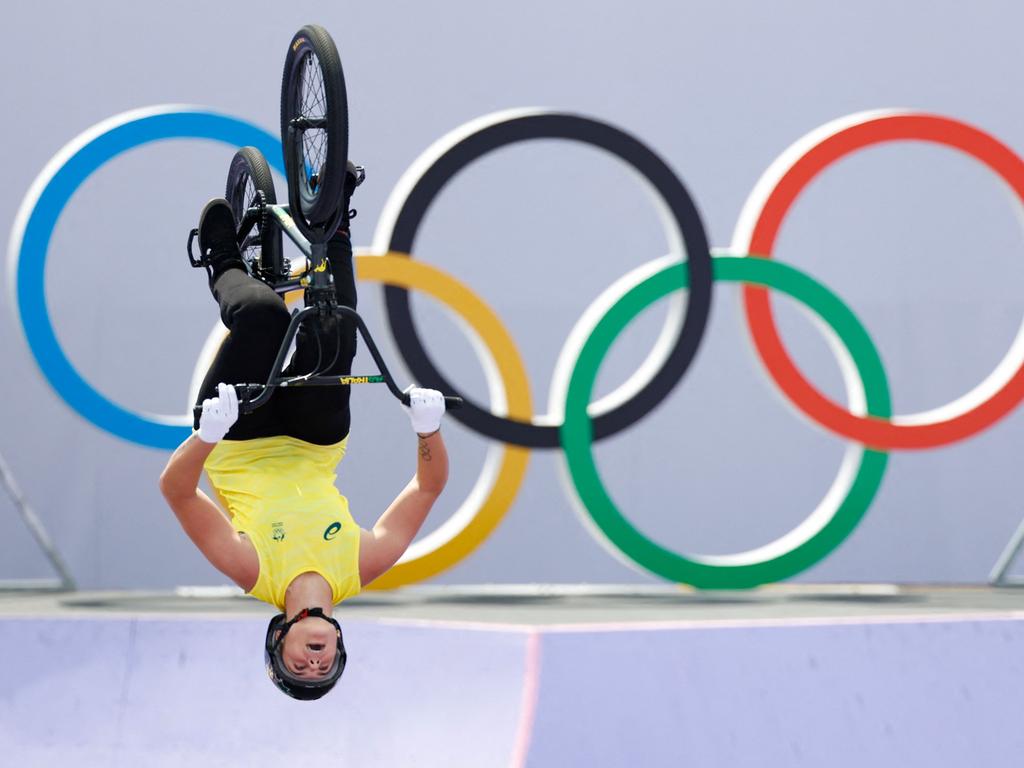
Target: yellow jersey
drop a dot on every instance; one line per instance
(280, 493)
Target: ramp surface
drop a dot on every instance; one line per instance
(783, 678)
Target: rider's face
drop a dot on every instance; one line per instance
(310, 647)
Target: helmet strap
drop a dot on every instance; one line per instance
(305, 612)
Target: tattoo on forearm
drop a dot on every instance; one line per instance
(424, 450)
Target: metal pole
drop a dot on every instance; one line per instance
(35, 526)
(998, 577)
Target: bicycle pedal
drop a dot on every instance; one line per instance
(358, 171)
(197, 263)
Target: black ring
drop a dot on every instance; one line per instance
(555, 125)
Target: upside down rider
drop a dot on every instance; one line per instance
(285, 534)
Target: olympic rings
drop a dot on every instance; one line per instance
(505, 465)
(866, 421)
(405, 210)
(759, 225)
(839, 511)
(33, 228)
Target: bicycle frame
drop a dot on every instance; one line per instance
(317, 283)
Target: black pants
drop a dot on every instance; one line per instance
(257, 320)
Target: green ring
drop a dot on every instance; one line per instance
(577, 438)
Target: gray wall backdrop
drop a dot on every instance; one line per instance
(922, 243)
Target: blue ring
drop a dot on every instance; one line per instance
(176, 123)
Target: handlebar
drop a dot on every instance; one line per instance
(252, 396)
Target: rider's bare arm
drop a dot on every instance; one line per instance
(203, 521)
(381, 547)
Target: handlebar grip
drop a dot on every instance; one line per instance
(246, 394)
(451, 402)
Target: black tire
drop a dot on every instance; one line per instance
(314, 126)
(248, 175)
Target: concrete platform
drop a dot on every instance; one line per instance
(823, 675)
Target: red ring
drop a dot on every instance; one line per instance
(874, 129)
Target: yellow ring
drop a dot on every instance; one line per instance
(398, 269)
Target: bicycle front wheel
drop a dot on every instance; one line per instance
(248, 177)
(314, 126)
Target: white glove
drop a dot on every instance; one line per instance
(219, 413)
(426, 407)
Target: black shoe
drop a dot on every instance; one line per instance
(354, 176)
(217, 244)
(217, 229)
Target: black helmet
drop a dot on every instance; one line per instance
(298, 687)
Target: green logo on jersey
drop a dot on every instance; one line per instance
(332, 531)
(278, 533)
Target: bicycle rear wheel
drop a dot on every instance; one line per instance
(248, 176)
(314, 127)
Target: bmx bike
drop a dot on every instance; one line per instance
(314, 137)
